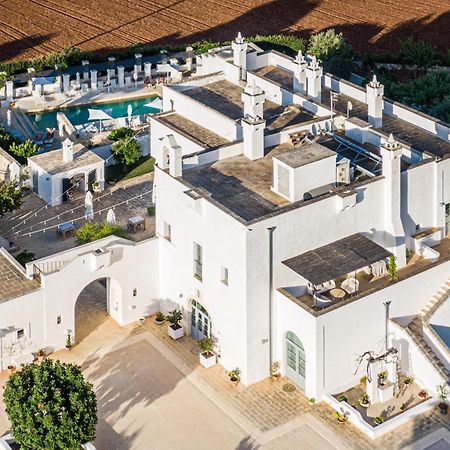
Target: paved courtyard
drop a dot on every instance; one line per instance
(152, 394)
(131, 198)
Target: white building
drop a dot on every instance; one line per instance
(268, 205)
(59, 173)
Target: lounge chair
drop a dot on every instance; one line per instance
(350, 285)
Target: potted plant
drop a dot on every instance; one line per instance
(11, 369)
(40, 355)
(234, 376)
(403, 407)
(364, 400)
(175, 329)
(160, 318)
(312, 401)
(443, 394)
(363, 379)
(342, 398)
(379, 420)
(275, 371)
(207, 356)
(68, 342)
(407, 381)
(96, 186)
(340, 417)
(423, 393)
(392, 268)
(381, 378)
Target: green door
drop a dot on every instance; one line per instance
(295, 359)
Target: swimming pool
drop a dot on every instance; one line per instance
(79, 115)
(440, 322)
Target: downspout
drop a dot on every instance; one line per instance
(386, 325)
(270, 230)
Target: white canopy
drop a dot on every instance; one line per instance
(165, 68)
(98, 114)
(111, 217)
(88, 206)
(156, 103)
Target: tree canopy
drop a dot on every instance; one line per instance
(23, 150)
(50, 406)
(126, 151)
(10, 196)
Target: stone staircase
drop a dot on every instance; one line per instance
(415, 329)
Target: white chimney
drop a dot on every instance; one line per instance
(299, 84)
(374, 100)
(391, 153)
(239, 47)
(67, 149)
(253, 134)
(253, 98)
(314, 73)
(170, 156)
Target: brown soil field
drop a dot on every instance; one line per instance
(30, 28)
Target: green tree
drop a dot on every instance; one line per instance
(121, 133)
(126, 151)
(335, 52)
(442, 110)
(419, 53)
(91, 231)
(10, 196)
(23, 150)
(50, 406)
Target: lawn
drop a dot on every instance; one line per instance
(117, 172)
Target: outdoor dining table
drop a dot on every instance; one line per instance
(337, 293)
(135, 223)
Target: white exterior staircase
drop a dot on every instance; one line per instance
(416, 330)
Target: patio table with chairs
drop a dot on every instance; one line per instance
(332, 271)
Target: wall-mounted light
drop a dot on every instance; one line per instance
(58, 320)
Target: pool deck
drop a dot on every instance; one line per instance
(29, 104)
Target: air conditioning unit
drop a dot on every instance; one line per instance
(343, 172)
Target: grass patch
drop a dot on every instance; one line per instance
(91, 231)
(117, 172)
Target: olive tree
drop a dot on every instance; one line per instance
(50, 406)
(10, 196)
(126, 151)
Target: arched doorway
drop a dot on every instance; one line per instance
(200, 321)
(93, 306)
(295, 359)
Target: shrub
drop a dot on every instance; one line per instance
(234, 375)
(25, 257)
(285, 43)
(392, 271)
(6, 139)
(50, 406)
(206, 344)
(160, 317)
(379, 420)
(23, 150)
(419, 53)
(126, 151)
(121, 133)
(10, 196)
(92, 231)
(335, 52)
(342, 398)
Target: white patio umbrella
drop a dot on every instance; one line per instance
(111, 217)
(98, 114)
(88, 206)
(156, 103)
(8, 117)
(78, 77)
(129, 112)
(42, 81)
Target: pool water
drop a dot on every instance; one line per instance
(79, 115)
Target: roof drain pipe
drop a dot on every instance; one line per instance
(386, 325)
(270, 230)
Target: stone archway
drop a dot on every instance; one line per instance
(93, 305)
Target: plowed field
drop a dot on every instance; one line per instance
(29, 28)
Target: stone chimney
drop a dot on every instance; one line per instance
(391, 153)
(314, 73)
(239, 47)
(374, 100)
(67, 150)
(299, 84)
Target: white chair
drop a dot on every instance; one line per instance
(350, 285)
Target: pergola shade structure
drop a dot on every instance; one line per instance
(337, 259)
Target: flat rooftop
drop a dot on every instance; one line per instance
(191, 130)
(283, 77)
(416, 137)
(241, 185)
(52, 161)
(304, 155)
(14, 283)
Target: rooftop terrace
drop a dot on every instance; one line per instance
(225, 97)
(191, 130)
(13, 282)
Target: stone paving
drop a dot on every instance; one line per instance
(265, 406)
(44, 244)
